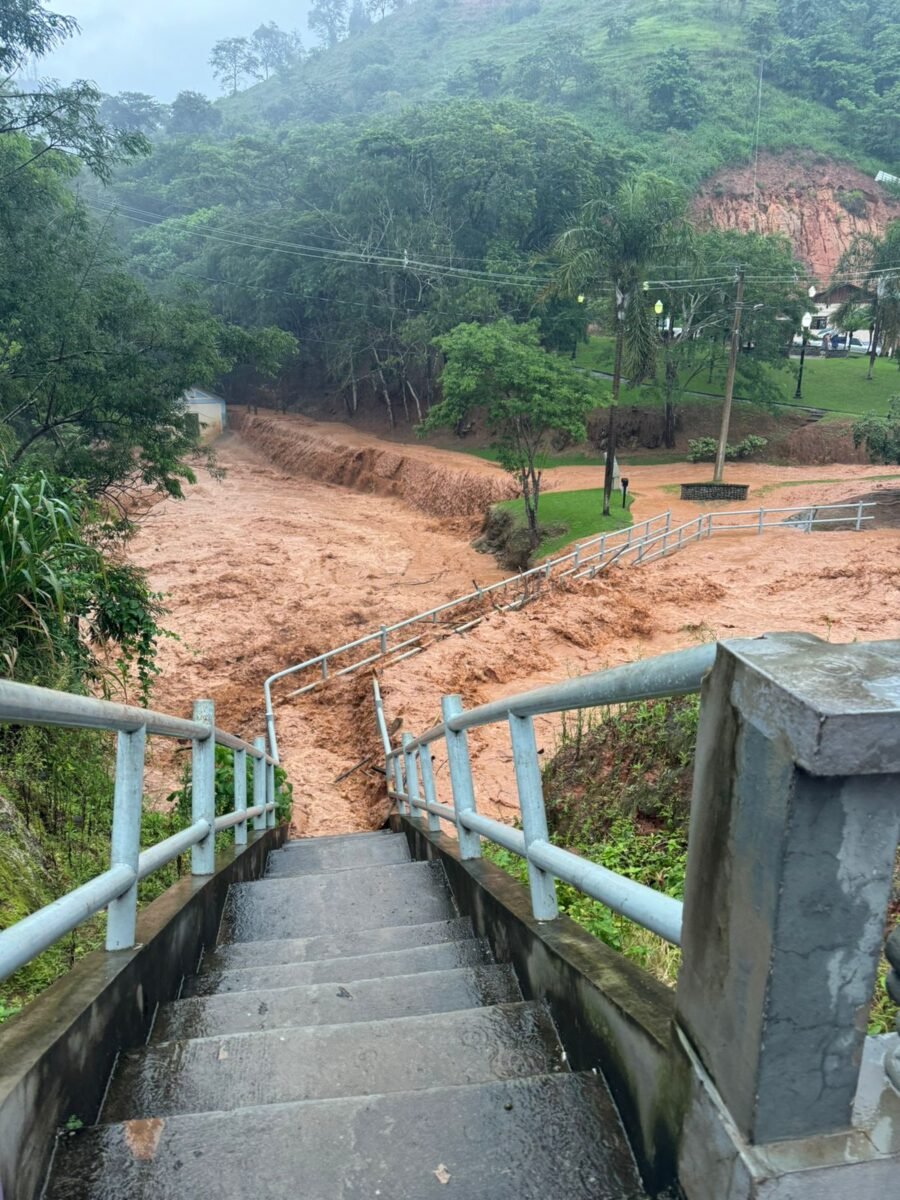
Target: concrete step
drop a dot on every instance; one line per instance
(335, 945)
(319, 1062)
(335, 839)
(554, 1137)
(336, 1003)
(408, 894)
(338, 856)
(443, 956)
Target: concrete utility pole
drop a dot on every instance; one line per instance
(729, 378)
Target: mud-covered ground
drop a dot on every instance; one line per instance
(275, 564)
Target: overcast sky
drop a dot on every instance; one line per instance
(159, 46)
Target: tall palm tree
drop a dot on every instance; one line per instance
(611, 249)
(872, 263)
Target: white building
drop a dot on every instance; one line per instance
(210, 411)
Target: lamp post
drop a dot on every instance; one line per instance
(804, 338)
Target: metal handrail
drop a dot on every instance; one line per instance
(26, 704)
(675, 674)
(584, 561)
(116, 889)
(570, 562)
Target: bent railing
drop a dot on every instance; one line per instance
(633, 545)
(794, 832)
(116, 889)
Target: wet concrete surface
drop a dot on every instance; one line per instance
(365, 1058)
(550, 1138)
(406, 894)
(336, 1003)
(342, 854)
(335, 945)
(442, 956)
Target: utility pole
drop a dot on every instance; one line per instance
(729, 378)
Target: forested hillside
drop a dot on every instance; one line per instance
(416, 170)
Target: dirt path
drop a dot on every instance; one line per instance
(268, 568)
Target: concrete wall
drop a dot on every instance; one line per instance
(56, 1055)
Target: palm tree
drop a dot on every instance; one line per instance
(872, 263)
(611, 249)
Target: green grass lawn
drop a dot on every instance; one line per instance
(566, 458)
(837, 385)
(581, 513)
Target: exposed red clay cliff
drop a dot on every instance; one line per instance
(799, 195)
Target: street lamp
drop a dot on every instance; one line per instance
(804, 338)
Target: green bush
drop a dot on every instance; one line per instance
(704, 449)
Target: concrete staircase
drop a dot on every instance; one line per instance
(349, 1037)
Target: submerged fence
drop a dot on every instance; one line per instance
(636, 544)
(116, 889)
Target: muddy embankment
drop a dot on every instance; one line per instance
(300, 448)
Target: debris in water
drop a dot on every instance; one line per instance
(442, 1175)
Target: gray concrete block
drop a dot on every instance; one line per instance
(362, 1059)
(335, 945)
(409, 894)
(442, 956)
(336, 1003)
(552, 1138)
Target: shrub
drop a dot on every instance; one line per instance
(704, 449)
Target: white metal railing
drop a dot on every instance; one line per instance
(410, 781)
(418, 631)
(636, 544)
(116, 889)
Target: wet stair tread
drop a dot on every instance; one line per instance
(440, 956)
(555, 1137)
(264, 952)
(304, 905)
(336, 1003)
(322, 1061)
(343, 856)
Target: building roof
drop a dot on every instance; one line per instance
(195, 395)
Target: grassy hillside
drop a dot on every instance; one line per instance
(418, 52)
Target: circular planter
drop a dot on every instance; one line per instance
(714, 491)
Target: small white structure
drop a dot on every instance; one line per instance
(210, 411)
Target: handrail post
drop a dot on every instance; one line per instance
(577, 559)
(534, 815)
(259, 786)
(430, 792)
(859, 516)
(203, 789)
(460, 778)
(270, 795)
(794, 828)
(400, 786)
(240, 795)
(126, 835)
(762, 513)
(382, 640)
(412, 773)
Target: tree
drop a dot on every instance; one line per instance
(232, 60)
(619, 27)
(193, 114)
(675, 98)
(479, 77)
(870, 262)
(547, 72)
(328, 19)
(134, 111)
(610, 251)
(274, 48)
(54, 117)
(880, 434)
(359, 20)
(526, 394)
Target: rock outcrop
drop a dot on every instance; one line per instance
(818, 203)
